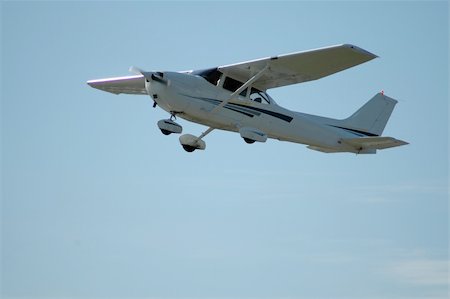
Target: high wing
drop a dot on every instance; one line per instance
(129, 84)
(272, 72)
(298, 67)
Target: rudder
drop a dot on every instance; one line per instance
(373, 116)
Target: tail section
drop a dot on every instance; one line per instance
(373, 116)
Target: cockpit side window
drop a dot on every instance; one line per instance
(233, 85)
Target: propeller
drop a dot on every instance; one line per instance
(136, 70)
(155, 76)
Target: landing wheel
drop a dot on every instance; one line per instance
(166, 132)
(249, 141)
(188, 148)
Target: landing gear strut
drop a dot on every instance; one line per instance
(191, 143)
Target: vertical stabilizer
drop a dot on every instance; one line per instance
(373, 116)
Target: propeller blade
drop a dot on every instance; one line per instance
(158, 76)
(136, 70)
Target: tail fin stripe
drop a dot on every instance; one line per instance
(357, 132)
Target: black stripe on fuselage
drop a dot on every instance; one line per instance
(242, 109)
(229, 106)
(286, 118)
(358, 132)
(246, 110)
(239, 111)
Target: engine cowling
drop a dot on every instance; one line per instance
(190, 143)
(168, 126)
(251, 135)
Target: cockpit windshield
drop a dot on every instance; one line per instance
(211, 75)
(259, 96)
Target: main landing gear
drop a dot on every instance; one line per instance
(189, 142)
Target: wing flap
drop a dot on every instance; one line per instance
(118, 85)
(368, 143)
(300, 66)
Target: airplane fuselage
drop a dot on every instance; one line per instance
(193, 98)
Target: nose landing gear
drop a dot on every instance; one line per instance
(168, 126)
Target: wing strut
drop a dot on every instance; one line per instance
(243, 87)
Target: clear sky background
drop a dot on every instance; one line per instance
(97, 203)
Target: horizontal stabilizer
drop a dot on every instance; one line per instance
(370, 143)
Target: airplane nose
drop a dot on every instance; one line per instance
(155, 82)
(155, 85)
(149, 77)
(148, 86)
(151, 91)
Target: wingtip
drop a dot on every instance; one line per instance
(400, 142)
(91, 83)
(361, 50)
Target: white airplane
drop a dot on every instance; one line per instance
(234, 98)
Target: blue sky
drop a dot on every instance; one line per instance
(97, 203)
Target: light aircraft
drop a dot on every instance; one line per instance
(234, 98)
